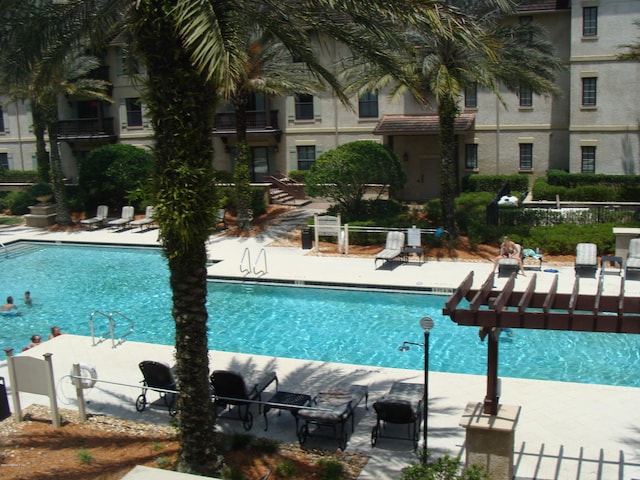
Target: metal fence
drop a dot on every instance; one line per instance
(540, 216)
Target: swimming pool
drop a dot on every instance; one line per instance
(67, 283)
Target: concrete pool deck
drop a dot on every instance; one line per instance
(566, 430)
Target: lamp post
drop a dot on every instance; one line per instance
(426, 323)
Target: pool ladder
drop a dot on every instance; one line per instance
(112, 327)
(245, 262)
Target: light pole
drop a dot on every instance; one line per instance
(426, 323)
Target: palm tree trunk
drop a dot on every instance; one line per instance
(181, 105)
(63, 217)
(242, 174)
(42, 156)
(447, 110)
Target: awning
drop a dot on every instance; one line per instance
(420, 124)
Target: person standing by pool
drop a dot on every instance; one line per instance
(9, 306)
(55, 332)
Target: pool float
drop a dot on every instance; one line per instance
(88, 373)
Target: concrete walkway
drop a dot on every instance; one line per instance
(566, 430)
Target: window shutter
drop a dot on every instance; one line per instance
(317, 111)
(318, 151)
(145, 119)
(122, 111)
(9, 161)
(293, 158)
(291, 109)
(34, 162)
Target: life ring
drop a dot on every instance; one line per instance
(89, 375)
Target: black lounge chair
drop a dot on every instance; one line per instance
(332, 408)
(158, 377)
(229, 388)
(402, 405)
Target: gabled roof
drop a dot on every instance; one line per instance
(543, 5)
(419, 124)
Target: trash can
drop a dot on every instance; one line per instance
(4, 401)
(306, 239)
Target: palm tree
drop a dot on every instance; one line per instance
(483, 48)
(270, 72)
(57, 70)
(194, 53)
(633, 49)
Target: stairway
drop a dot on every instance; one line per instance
(280, 197)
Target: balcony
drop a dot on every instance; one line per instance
(257, 122)
(86, 129)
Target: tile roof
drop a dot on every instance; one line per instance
(543, 5)
(419, 124)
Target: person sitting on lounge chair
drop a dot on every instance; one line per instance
(509, 249)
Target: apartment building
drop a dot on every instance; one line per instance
(592, 127)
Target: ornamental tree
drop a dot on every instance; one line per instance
(345, 173)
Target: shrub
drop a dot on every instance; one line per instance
(495, 183)
(330, 469)
(286, 468)
(19, 201)
(110, 172)
(444, 468)
(343, 174)
(299, 176)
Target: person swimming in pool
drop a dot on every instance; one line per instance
(9, 306)
(27, 298)
(55, 332)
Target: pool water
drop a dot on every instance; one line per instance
(68, 283)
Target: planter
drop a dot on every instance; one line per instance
(41, 216)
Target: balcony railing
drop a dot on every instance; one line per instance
(85, 128)
(257, 121)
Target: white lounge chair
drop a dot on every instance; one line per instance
(586, 259)
(633, 258)
(393, 247)
(100, 218)
(148, 219)
(126, 217)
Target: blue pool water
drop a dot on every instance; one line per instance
(69, 283)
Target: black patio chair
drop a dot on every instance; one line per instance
(158, 377)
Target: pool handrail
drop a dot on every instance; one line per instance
(246, 254)
(92, 327)
(113, 326)
(262, 255)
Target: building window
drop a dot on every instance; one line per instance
(471, 95)
(304, 107)
(368, 105)
(134, 112)
(589, 21)
(471, 156)
(4, 161)
(588, 161)
(306, 157)
(526, 96)
(526, 156)
(589, 91)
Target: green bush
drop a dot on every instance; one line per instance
(591, 193)
(110, 172)
(446, 468)
(494, 183)
(330, 469)
(19, 201)
(18, 176)
(228, 200)
(572, 180)
(562, 239)
(542, 190)
(299, 176)
(471, 216)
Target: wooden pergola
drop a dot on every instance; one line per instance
(492, 310)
